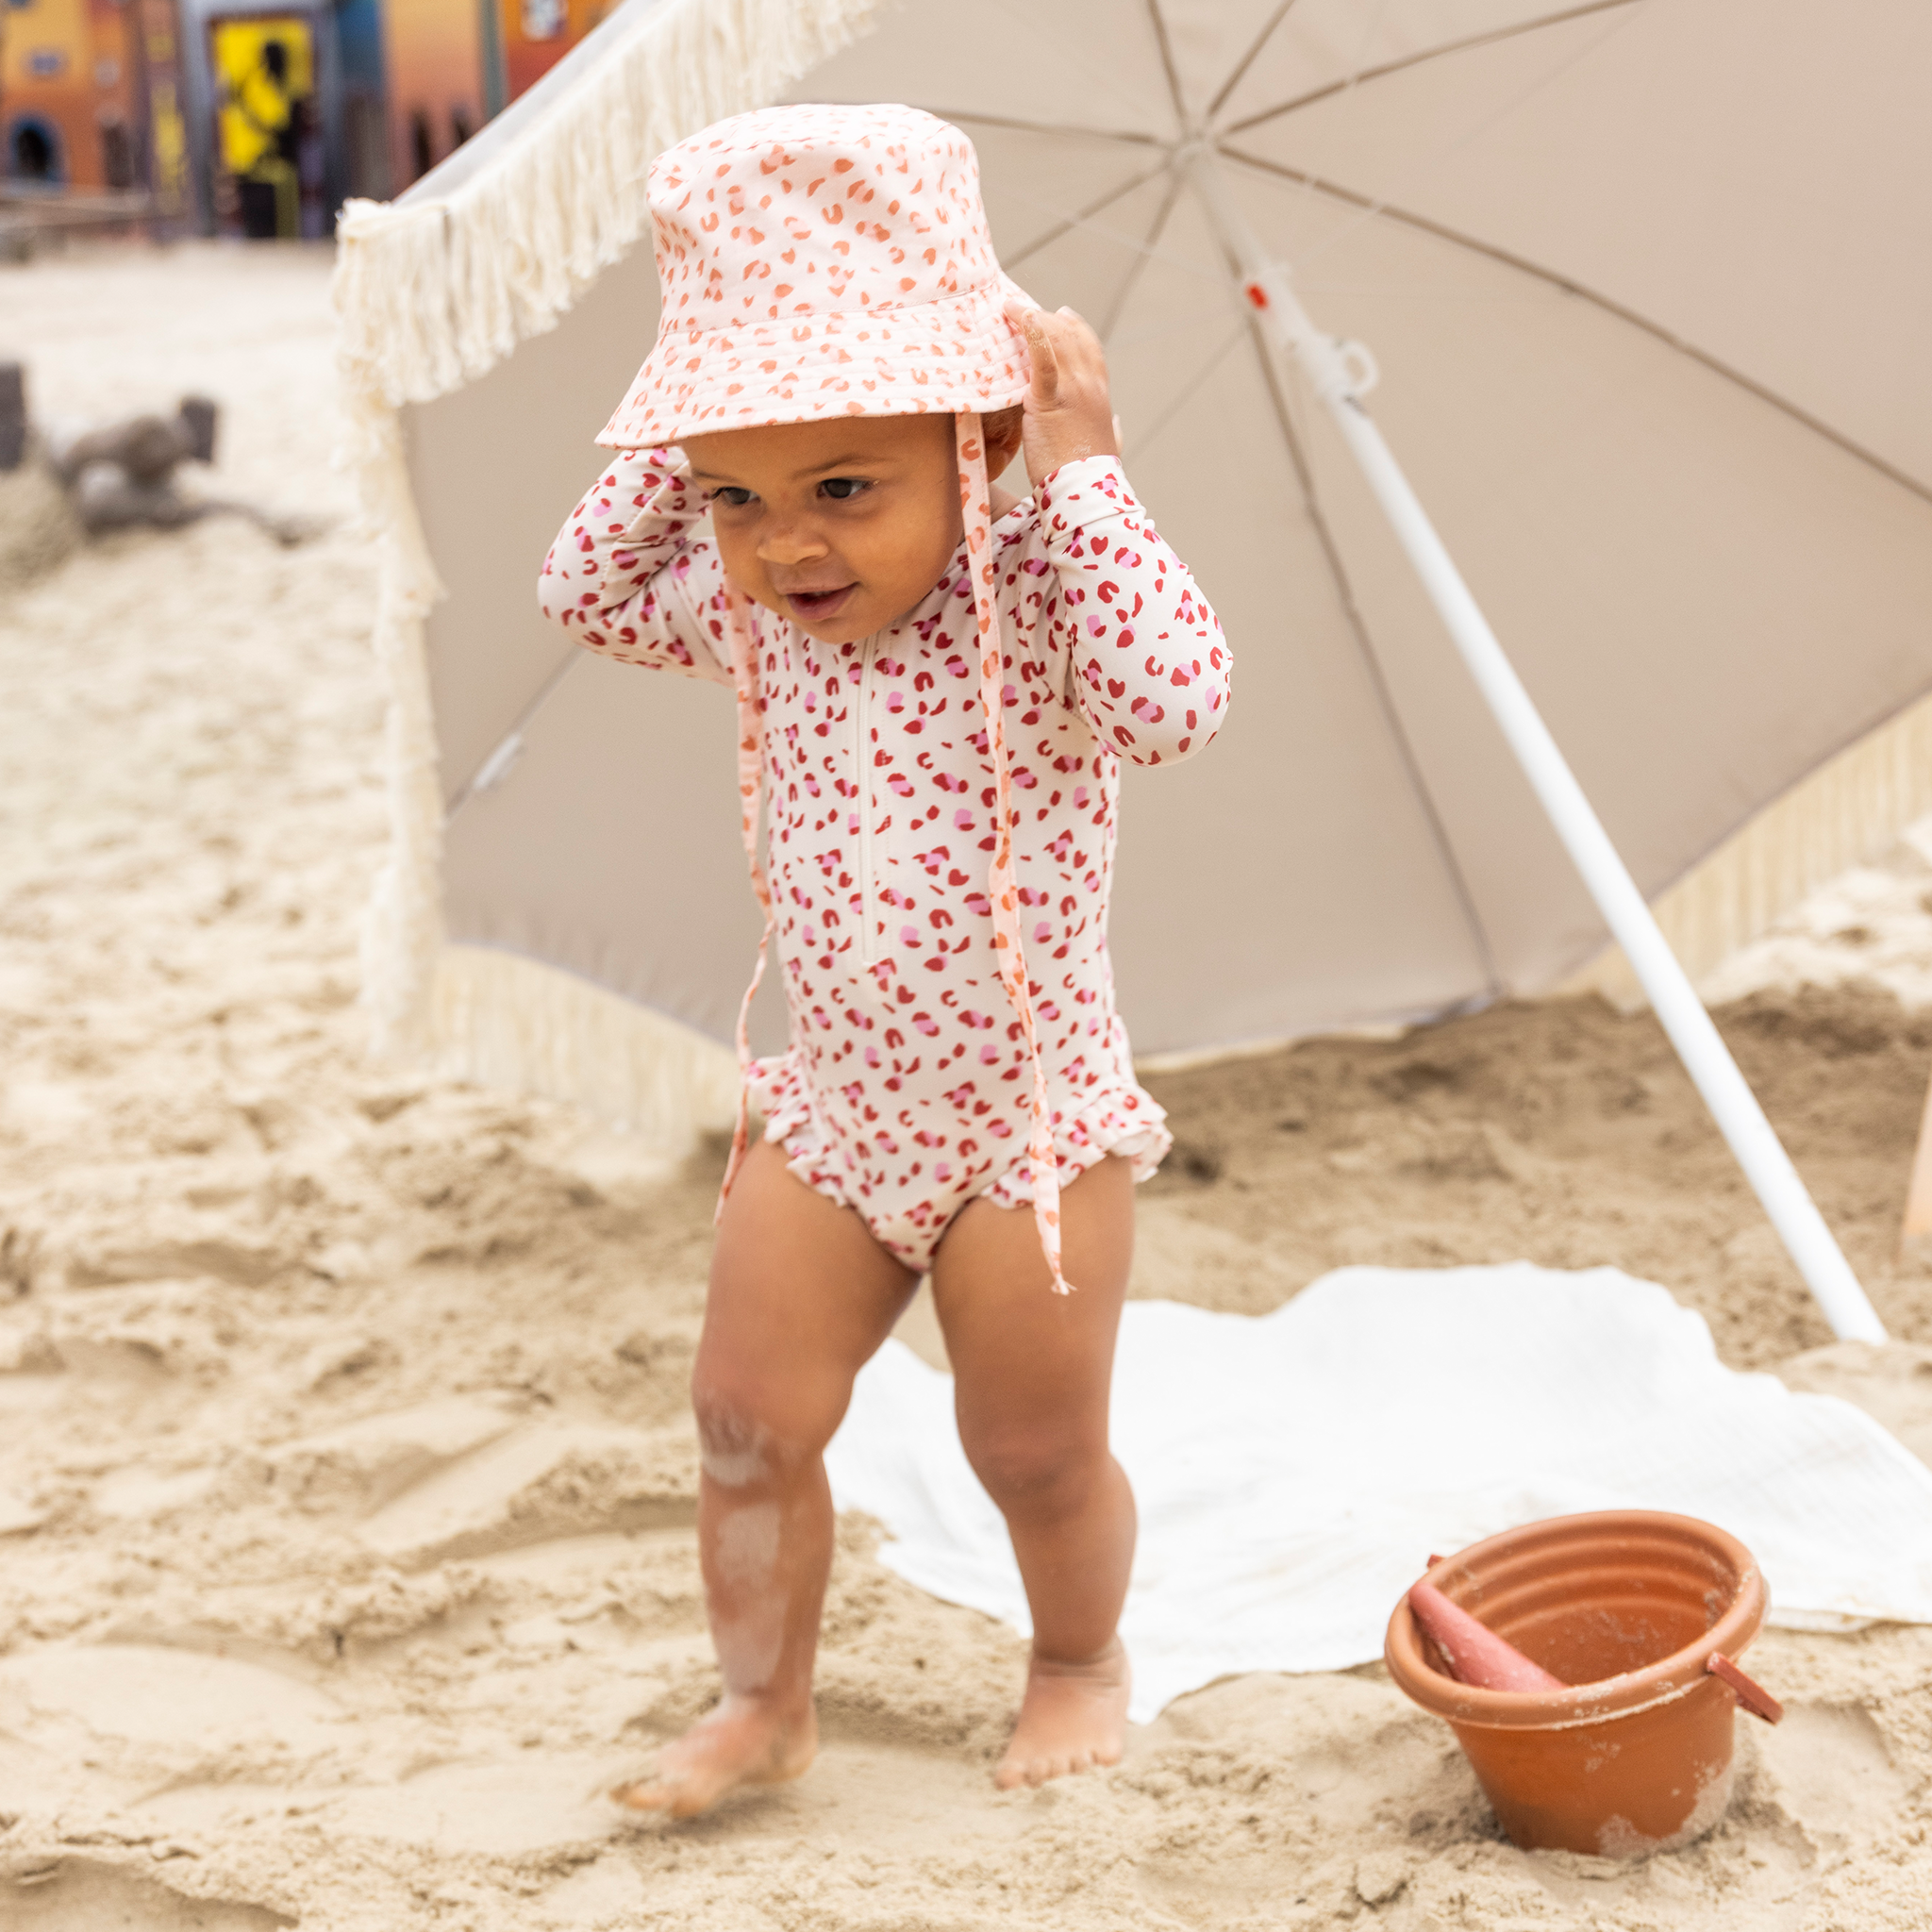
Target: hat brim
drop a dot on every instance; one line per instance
(937, 358)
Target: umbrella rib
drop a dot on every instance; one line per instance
(1121, 238)
(1608, 304)
(1133, 136)
(1173, 79)
(1491, 39)
(1141, 258)
(1081, 219)
(1143, 438)
(1379, 682)
(525, 719)
(1248, 60)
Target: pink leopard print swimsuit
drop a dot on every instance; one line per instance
(908, 1086)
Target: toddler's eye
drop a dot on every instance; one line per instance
(729, 492)
(840, 488)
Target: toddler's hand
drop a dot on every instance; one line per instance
(1068, 412)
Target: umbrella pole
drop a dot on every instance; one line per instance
(1340, 372)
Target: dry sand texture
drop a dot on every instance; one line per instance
(347, 1483)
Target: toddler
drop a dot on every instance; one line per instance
(935, 686)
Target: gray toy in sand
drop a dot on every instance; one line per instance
(123, 474)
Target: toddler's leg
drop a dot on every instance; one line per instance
(1033, 1371)
(800, 1296)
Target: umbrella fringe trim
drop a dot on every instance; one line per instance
(433, 291)
(402, 927)
(513, 1023)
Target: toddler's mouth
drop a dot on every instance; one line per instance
(815, 606)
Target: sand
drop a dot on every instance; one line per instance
(346, 1483)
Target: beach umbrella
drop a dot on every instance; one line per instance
(1639, 316)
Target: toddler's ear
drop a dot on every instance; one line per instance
(1002, 429)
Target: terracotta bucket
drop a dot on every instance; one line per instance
(1627, 1607)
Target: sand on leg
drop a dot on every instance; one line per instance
(1033, 1371)
(800, 1296)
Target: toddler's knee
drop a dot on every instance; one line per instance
(1041, 1470)
(747, 1435)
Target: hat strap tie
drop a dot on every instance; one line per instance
(743, 642)
(976, 503)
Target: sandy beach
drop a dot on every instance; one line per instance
(346, 1486)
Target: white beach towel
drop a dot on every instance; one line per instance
(1294, 1471)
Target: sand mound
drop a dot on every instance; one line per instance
(37, 526)
(1562, 1132)
(347, 1483)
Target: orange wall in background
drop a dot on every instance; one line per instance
(69, 71)
(433, 61)
(536, 34)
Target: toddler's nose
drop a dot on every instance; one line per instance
(789, 547)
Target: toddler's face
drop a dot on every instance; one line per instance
(842, 527)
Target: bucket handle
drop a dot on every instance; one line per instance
(1749, 1692)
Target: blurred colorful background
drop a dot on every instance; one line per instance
(222, 117)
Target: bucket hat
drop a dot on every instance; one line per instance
(814, 261)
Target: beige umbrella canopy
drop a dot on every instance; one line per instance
(1643, 284)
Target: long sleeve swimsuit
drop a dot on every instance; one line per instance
(908, 1087)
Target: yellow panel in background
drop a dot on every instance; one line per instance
(257, 103)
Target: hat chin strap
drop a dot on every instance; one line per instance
(743, 642)
(975, 503)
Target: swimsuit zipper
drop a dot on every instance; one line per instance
(868, 934)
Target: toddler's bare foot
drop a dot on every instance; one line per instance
(1072, 1716)
(741, 1743)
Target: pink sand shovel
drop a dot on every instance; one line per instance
(1476, 1655)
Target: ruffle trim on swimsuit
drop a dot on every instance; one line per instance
(1123, 1121)
(1128, 1123)
(779, 1093)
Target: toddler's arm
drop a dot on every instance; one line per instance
(630, 577)
(1147, 663)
